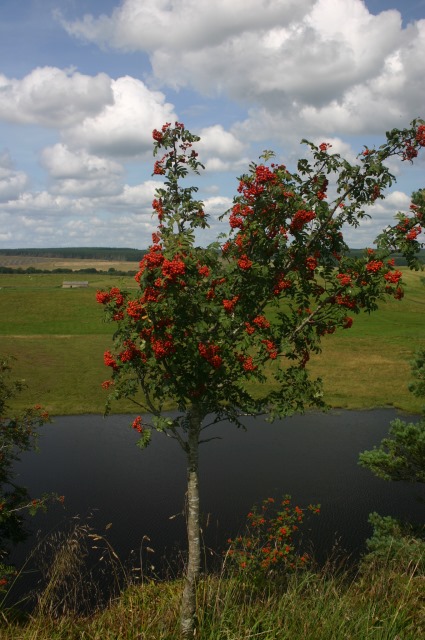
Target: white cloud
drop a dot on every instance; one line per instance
(394, 202)
(327, 64)
(253, 49)
(343, 148)
(384, 100)
(128, 231)
(183, 24)
(217, 205)
(382, 97)
(63, 163)
(221, 150)
(124, 127)
(136, 199)
(278, 71)
(53, 97)
(102, 115)
(218, 142)
(382, 214)
(43, 203)
(12, 182)
(46, 219)
(78, 173)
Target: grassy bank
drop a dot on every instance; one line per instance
(379, 604)
(58, 338)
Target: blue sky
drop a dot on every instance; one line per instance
(84, 82)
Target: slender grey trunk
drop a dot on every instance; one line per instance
(188, 605)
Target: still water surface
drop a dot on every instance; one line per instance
(94, 463)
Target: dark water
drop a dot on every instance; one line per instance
(94, 462)
(107, 480)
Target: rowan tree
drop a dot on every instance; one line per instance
(227, 330)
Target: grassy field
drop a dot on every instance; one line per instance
(48, 264)
(58, 338)
(368, 365)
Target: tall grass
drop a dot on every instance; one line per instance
(377, 603)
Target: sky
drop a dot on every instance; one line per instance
(84, 82)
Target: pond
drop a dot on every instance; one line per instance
(110, 483)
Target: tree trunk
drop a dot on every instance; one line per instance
(188, 606)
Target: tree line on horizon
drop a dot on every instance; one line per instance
(120, 254)
(117, 254)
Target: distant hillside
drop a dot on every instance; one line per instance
(81, 253)
(123, 254)
(399, 260)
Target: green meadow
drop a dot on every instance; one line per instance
(58, 337)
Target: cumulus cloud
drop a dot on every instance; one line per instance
(393, 95)
(291, 61)
(311, 63)
(45, 219)
(311, 49)
(44, 203)
(63, 163)
(127, 231)
(327, 70)
(394, 202)
(221, 150)
(12, 182)
(131, 230)
(343, 148)
(136, 199)
(217, 205)
(53, 97)
(184, 24)
(102, 115)
(79, 173)
(216, 141)
(381, 214)
(124, 127)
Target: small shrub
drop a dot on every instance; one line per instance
(394, 545)
(270, 544)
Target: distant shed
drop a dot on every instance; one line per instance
(77, 284)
